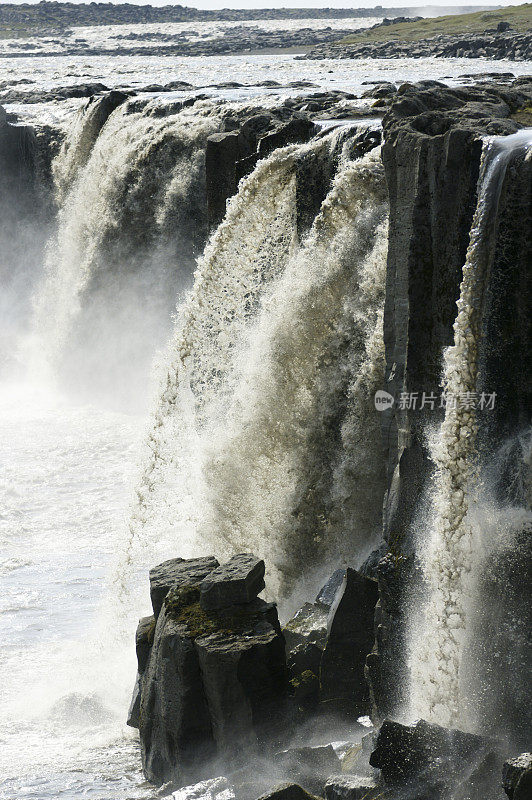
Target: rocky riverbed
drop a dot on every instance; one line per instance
(239, 39)
(231, 705)
(505, 44)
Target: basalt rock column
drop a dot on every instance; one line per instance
(433, 143)
(213, 687)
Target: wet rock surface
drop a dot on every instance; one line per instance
(213, 689)
(247, 136)
(517, 777)
(288, 791)
(308, 766)
(349, 787)
(177, 572)
(431, 156)
(349, 640)
(433, 761)
(237, 581)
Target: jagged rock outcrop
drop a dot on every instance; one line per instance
(211, 682)
(237, 581)
(431, 761)
(309, 766)
(328, 642)
(349, 640)
(233, 153)
(177, 572)
(492, 44)
(349, 787)
(143, 643)
(517, 777)
(288, 791)
(431, 155)
(26, 212)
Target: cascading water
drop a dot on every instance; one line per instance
(124, 229)
(450, 558)
(272, 367)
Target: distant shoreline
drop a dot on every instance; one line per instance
(44, 18)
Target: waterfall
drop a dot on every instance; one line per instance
(264, 435)
(450, 557)
(131, 221)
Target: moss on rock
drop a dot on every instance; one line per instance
(183, 605)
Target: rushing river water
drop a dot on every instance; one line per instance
(67, 610)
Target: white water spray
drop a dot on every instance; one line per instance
(121, 201)
(271, 337)
(450, 556)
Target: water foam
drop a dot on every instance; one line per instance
(122, 226)
(451, 555)
(270, 339)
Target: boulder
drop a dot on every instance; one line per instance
(297, 129)
(309, 624)
(214, 789)
(349, 787)
(214, 688)
(238, 581)
(177, 572)
(309, 766)
(244, 677)
(434, 760)
(517, 777)
(356, 758)
(288, 791)
(349, 640)
(327, 593)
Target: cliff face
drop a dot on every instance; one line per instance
(24, 211)
(433, 144)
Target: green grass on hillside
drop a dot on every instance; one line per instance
(520, 18)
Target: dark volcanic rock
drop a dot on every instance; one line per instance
(221, 155)
(308, 625)
(133, 714)
(327, 593)
(239, 580)
(60, 93)
(177, 572)
(233, 154)
(349, 640)
(431, 156)
(309, 766)
(175, 725)
(288, 791)
(214, 690)
(144, 641)
(298, 129)
(432, 761)
(349, 787)
(495, 44)
(244, 677)
(517, 777)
